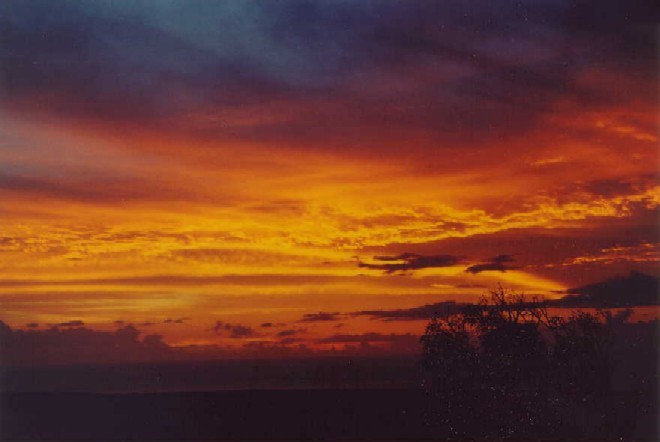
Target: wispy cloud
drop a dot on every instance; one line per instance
(425, 312)
(497, 263)
(321, 317)
(410, 261)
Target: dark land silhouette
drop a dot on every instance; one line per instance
(507, 369)
(503, 369)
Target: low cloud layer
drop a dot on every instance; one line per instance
(635, 289)
(440, 309)
(366, 337)
(74, 323)
(369, 342)
(77, 345)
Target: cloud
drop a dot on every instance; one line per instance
(289, 340)
(77, 345)
(331, 72)
(236, 331)
(368, 337)
(102, 189)
(219, 326)
(643, 252)
(75, 323)
(271, 324)
(611, 187)
(497, 263)
(410, 261)
(280, 349)
(291, 332)
(320, 317)
(176, 321)
(151, 63)
(230, 254)
(425, 312)
(635, 289)
(183, 280)
(241, 331)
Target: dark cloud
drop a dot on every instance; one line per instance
(241, 331)
(589, 190)
(487, 267)
(410, 261)
(176, 321)
(611, 187)
(425, 312)
(320, 317)
(635, 289)
(75, 345)
(32, 325)
(102, 62)
(270, 324)
(497, 263)
(291, 332)
(628, 31)
(494, 69)
(72, 346)
(540, 250)
(236, 331)
(220, 326)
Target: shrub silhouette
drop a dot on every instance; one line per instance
(505, 369)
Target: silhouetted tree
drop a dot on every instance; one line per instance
(504, 368)
(580, 353)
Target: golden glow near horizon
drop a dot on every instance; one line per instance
(179, 237)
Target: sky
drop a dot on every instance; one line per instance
(257, 175)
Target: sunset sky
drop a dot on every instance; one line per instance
(201, 170)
